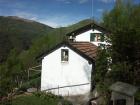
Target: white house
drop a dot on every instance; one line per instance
(92, 32)
(67, 68)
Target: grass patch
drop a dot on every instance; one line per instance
(40, 99)
(34, 100)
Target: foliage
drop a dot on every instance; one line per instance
(35, 75)
(39, 98)
(18, 33)
(137, 95)
(121, 61)
(78, 25)
(125, 41)
(31, 83)
(101, 65)
(33, 100)
(11, 71)
(100, 75)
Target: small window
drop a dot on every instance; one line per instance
(64, 55)
(98, 37)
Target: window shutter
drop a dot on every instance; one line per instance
(92, 37)
(102, 37)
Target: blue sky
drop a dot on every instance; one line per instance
(56, 13)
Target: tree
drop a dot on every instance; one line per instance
(123, 20)
(99, 76)
(11, 73)
(124, 23)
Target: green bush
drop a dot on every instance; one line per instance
(46, 95)
(40, 98)
(35, 75)
(137, 95)
(32, 83)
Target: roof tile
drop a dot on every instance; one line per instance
(87, 48)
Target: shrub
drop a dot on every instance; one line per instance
(32, 83)
(40, 98)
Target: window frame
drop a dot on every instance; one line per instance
(63, 57)
(98, 37)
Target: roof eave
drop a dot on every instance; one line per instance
(39, 58)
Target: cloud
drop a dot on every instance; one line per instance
(100, 10)
(50, 23)
(56, 20)
(53, 22)
(23, 14)
(107, 1)
(83, 1)
(65, 1)
(60, 20)
(73, 1)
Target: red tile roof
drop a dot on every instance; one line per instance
(86, 48)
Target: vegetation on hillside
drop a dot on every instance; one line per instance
(37, 98)
(18, 33)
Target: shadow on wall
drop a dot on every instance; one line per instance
(87, 69)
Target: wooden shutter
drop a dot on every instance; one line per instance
(92, 37)
(102, 37)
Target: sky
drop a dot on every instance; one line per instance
(56, 13)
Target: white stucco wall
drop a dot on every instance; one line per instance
(58, 74)
(86, 37)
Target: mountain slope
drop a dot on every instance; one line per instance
(18, 33)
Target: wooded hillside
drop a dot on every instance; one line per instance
(18, 33)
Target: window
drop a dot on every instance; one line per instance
(64, 55)
(97, 37)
